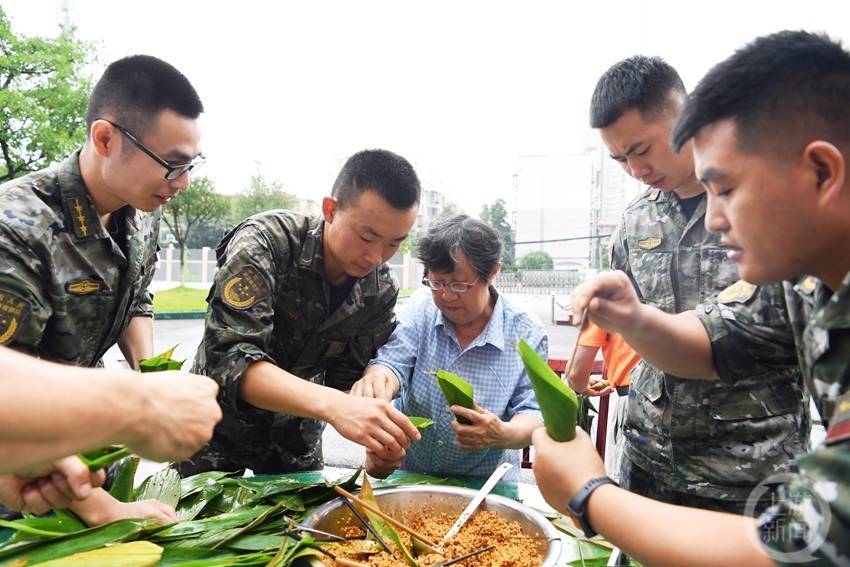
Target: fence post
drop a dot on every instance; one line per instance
(405, 271)
(205, 254)
(169, 257)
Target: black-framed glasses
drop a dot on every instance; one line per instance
(456, 287)
(172, 170)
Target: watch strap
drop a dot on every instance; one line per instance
(579, 502)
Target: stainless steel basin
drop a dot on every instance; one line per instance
(402, 501)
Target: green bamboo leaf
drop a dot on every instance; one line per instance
(103, 457)
(420, 422)
(133, 554)
(255, 542)
(29, 529)
(191, 485)
(458, 392)
(181, 557)
(122, 483)
(558, 403)
(387, 531)
(160, 362)
(189, 508)
(60, 521)
(223, 521)
(77, 542)
(163, 486)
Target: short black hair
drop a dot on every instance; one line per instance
(640, 82)
(135, 89)
(785, 89)
(478, 241)
(382, 171)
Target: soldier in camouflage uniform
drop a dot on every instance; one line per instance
(299, 306)
(694, 442)
(78, 240)
(771, 143)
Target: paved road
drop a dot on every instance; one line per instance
(187, 335)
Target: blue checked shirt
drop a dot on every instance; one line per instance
(425, 341)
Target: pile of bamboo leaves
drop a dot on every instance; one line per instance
(224, 521)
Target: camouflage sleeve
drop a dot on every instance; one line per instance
(810, 522)
(24, 302)
(239, 322)
(749, 330)
(619, 255)
(348, 366)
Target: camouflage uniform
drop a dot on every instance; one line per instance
(820, 323)
(700, 442)
(68, 288)
(270, 301)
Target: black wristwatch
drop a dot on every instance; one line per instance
(577, 504)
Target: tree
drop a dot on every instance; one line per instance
(538, 260)
(195, 207)
(43, 99)
(496, 215)
(262, 195)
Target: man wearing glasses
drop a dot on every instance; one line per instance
(78, 240)
(464, 326)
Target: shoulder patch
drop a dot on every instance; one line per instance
(839, 430)
(244, 289)
(13, 310)
(808, 285)
(649, 243)
(738, 292)
(84, 286)
(653, 194)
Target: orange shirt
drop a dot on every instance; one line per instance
(619, 357)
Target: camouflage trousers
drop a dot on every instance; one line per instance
(635, 479)
(209, 459)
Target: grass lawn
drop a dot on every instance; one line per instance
(190, 299)
(180, 299)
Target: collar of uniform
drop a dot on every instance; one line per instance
(80, 213)
(834, 312)
(494, 331)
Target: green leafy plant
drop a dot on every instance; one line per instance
(161, 362)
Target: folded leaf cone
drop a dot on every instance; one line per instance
(458, 392)
(558, 402)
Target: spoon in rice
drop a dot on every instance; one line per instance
(475, 502)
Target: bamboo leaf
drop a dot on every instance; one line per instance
(163, 486)
(220, 522)
(122, 483)
(133, 554)
(191, 485)
(189, 508)
(421, 422)
(181, 557)
(387, 531)
(102, 458)
(160, 362)
(77, 542)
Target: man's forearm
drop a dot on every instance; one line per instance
(677, 344)
(136, 343)
(520, 429)
(90, 407)
(271, 388)
(673, 535)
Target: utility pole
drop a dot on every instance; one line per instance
(65, 23)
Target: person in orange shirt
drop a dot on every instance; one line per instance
(619, 359)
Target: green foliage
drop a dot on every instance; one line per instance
(496, 215)
(43, 99)
(180, 299)
(537, 260)
(161, 362)
(198, 205)
(262, 195)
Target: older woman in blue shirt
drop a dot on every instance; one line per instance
(463, 325)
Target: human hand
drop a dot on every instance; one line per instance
(561, 469)
(377, 382)
(381, 468)
(598, 387)
(177, 416)
(612, 301)
(484, 431)
(52, 486)
(375, 424)
(142, 510)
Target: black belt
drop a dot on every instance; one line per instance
(622, 390)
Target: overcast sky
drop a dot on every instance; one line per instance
(460, 88)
